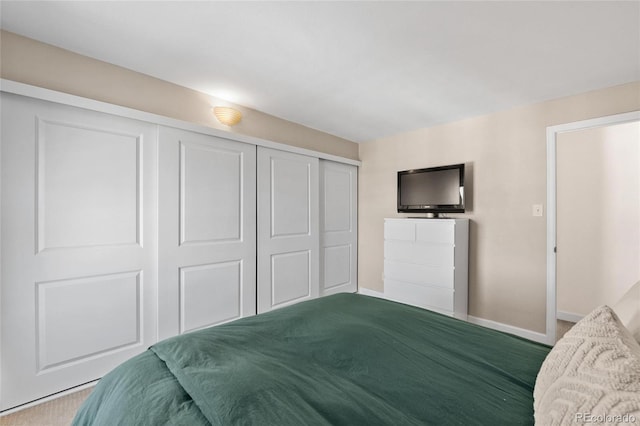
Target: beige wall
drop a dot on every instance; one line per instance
(506, 152)
(28, 61)
(598, 216)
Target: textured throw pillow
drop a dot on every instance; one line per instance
(592, 375)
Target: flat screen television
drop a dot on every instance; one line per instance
(433, 190)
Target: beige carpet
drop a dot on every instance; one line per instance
(562, 327)
(58, 412)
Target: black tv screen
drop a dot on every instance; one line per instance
(432, 190)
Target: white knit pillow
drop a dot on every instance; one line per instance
(592, 375)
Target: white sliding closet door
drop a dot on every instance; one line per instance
(78, 245)
(338, 228)
(207, 217)
(288, 239)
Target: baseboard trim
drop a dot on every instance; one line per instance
(369, 292)
(47, 398)
(568, 316)
(506, 328)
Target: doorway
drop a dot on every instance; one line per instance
(593, 222)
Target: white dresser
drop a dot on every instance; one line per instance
(426, 263)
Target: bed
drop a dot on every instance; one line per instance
(343, 359)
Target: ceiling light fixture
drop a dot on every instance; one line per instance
(227, 115)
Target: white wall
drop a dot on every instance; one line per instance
(598, 216)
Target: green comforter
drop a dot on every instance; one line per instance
(344, 360)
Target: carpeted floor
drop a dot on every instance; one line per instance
(57, 412)
(562, 327)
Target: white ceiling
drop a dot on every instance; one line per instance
(358, 70)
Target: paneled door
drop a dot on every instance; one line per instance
(288, 264)
(207, 240)
(78, 245)
(338, 227)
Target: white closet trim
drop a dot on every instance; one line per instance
(10, 86)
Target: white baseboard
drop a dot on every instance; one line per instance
(369, 292)
(506, 328)
(48, 398)
(568, 316)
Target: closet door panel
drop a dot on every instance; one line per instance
(290, 197)
(210, 294)
(207, 231)
(78, 245)
(290, 277)
(210, 188)
(287, 228)
(86, 175)
(338, 227)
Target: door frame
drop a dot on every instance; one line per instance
(552, 139)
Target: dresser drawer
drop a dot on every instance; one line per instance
(399, 230)
(434, 298)
(426, 263)
(435, 231)
(424, 254)
(419, 274)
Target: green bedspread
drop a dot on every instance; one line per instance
(344, 360)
